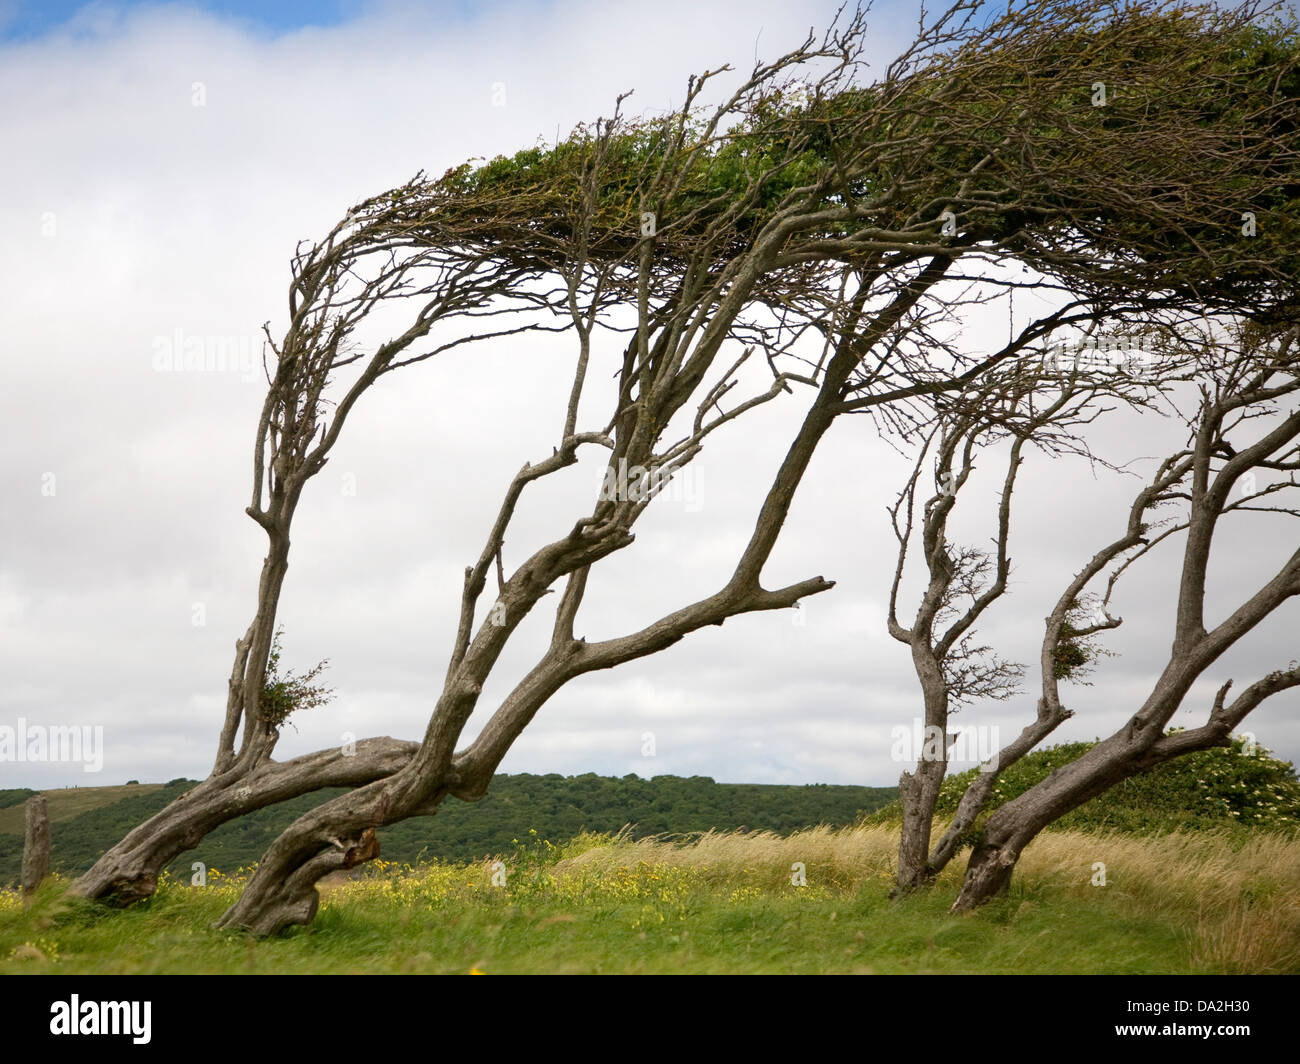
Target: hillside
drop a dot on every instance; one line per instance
(556, 807)
(67, 803)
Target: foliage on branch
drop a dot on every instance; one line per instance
(1077, 651)
(290, 693)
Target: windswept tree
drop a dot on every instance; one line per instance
(712, 240)
(1168, 56)
(1242, 457)
(891, 186)
(554, 240)
(1016, 408)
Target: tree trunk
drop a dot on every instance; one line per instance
(338, 834)
(1017, 823)
(36, 844)
(918, 792)
(129, 871)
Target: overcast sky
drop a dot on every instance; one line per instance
(161, 162)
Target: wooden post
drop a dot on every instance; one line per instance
(36, 844)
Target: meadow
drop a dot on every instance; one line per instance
(1179, 902)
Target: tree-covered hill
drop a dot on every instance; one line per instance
(14, 795)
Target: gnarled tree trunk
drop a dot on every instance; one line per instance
(129, 871)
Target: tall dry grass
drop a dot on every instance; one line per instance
(1238, 898)
(842, 857)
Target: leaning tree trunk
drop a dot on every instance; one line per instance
(129, 871)
(1017, 823)
(339, 834)
(976, 796)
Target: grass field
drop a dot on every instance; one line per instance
(70, 802)
(1204, 902)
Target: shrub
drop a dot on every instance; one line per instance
(1237, 784)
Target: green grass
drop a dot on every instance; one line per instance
(723, 904)
(798, 932)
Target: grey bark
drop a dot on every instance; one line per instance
(129, 871)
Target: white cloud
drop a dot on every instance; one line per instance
(130, 213)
